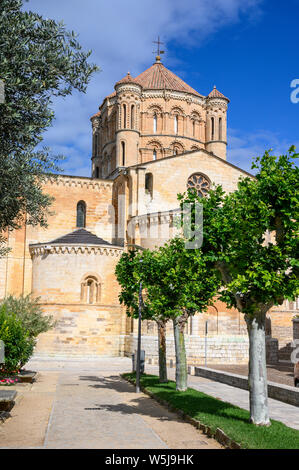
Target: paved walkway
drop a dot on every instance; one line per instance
(278, 410)
(87, 405)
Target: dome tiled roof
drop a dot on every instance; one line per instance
(79, 237)
(158, 77)
(96, 115)
(127, 79)
(216, 94)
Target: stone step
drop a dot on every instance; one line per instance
(7, 399)
(26, 376)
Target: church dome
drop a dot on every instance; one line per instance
(127, 79)
(158, 77)
(217, 94)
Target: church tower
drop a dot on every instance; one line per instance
(128, 94)
(154, 116)
(216, 124)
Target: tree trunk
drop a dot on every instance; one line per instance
(162, 351)
(180, 353)
(257, 378)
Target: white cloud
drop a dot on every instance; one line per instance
(244, 147)
(120, 34)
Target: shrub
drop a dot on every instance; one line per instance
(19, 345)
(28, 310)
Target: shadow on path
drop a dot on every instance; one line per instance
(145, 406)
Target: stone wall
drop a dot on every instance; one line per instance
(271, 350)
(220, 350)
(16, 268)
(84, 327)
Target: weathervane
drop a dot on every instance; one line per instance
(159, 51)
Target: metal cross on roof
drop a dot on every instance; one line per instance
(159, 43)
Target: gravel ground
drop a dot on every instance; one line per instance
(281, 373)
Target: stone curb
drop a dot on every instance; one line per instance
(27, 377)
(4, 415)
(219, 435)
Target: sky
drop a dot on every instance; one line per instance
(247, 48)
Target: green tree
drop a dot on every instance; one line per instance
(177, 286)
(185, 287)
(39, 60)
(28, 310)
(133, 268)
(250, 237)
(18, 344)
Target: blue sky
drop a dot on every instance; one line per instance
(248, 48)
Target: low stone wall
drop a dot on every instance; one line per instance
(279, 392)
(220, 350)
(271, 350)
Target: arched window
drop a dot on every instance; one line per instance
(199, 183)
(81, 214)
(154, 154)
(123, 153)
(90, 290)
(177, 148)
(96, 140)
(155, 123)
(97, 173)
(193, 128)
(132, 116)
(176, 124)
(220, 128)
(125, 116)
(149, 184)
(212, 128)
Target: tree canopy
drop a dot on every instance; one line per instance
(250, 238)
(39, 60)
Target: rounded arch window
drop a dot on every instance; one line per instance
(155, 123)
(81, 214)
(149, 184)
(90, 290)
(123, 153)
(199, 183)
(132, 116)
(220, 128)
(124, 116)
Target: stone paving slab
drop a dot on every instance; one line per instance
(86, 404)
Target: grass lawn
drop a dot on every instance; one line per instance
(215, 413)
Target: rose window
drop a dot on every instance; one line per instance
(199, 183)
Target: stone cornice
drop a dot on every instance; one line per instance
(42, 249)
(128, 87)
(156, 218)
(175, 95)
(82, 182)
(193, 152)
(173, 136)
(214, 102)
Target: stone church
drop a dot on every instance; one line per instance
(152, 138)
